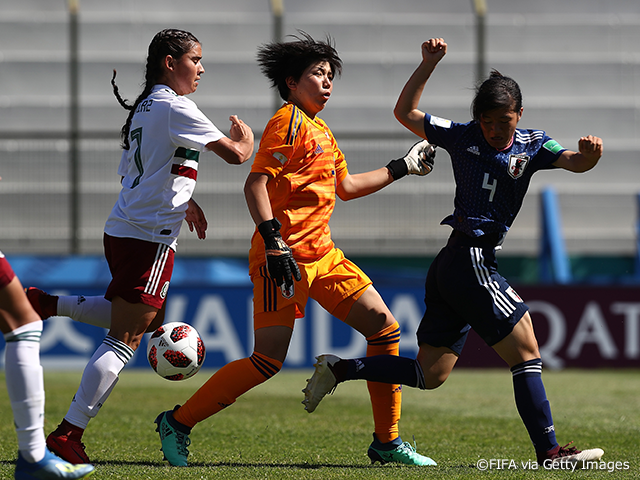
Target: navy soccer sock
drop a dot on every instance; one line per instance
(383, 369)
(532, 404)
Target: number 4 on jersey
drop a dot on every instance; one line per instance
(489, 186)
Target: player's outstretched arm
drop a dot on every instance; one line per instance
(363, 184)
(590, 150)
(419, 160)
(406, 110)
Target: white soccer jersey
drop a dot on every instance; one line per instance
(168, 133)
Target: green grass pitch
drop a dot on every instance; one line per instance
(267, 434)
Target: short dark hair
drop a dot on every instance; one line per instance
(281, 60)
(170, 41)
(497, 91)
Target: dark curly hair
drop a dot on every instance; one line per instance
(166, 42)
(497, 91)
(281, 60)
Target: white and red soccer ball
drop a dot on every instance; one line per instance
(175, 351)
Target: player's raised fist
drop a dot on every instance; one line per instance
(434, 49)
(590, 147)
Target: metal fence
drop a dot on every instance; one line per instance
(401, 220)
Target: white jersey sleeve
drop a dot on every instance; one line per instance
(190, 128)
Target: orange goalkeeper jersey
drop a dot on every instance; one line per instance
(304, 164)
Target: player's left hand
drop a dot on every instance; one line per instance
(420, 158)
(590, 147)
(194, 216)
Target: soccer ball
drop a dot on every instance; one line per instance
(175, 351)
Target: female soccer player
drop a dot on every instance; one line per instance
(290, 193)
(163, 137)
(21, 327)
(493, 162)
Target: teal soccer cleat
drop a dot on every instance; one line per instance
(174, 441)
(403, 453)
(50, 467)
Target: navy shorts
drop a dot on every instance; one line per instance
(464, 290)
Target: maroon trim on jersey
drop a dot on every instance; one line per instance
(184, 171)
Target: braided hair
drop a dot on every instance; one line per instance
(167, 42)
(495, 92)
(279, 61)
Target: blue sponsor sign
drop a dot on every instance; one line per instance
(579, 326)
(224, 318)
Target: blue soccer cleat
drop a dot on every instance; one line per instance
(50, 467)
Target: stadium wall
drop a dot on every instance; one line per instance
(550, 47)
(586, 326)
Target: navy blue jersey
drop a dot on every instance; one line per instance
(490, 184)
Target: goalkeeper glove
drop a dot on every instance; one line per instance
(419, 160)
(282, 267)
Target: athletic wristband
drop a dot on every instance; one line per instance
(269, 228)
(398, 168)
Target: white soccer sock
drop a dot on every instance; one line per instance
(94, 310)
(26, 388)
(98, 380)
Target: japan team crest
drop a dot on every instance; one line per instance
(287, 292)
(512, 293)
(517, 164)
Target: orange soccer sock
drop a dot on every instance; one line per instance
(225, 386)
(386, 399)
